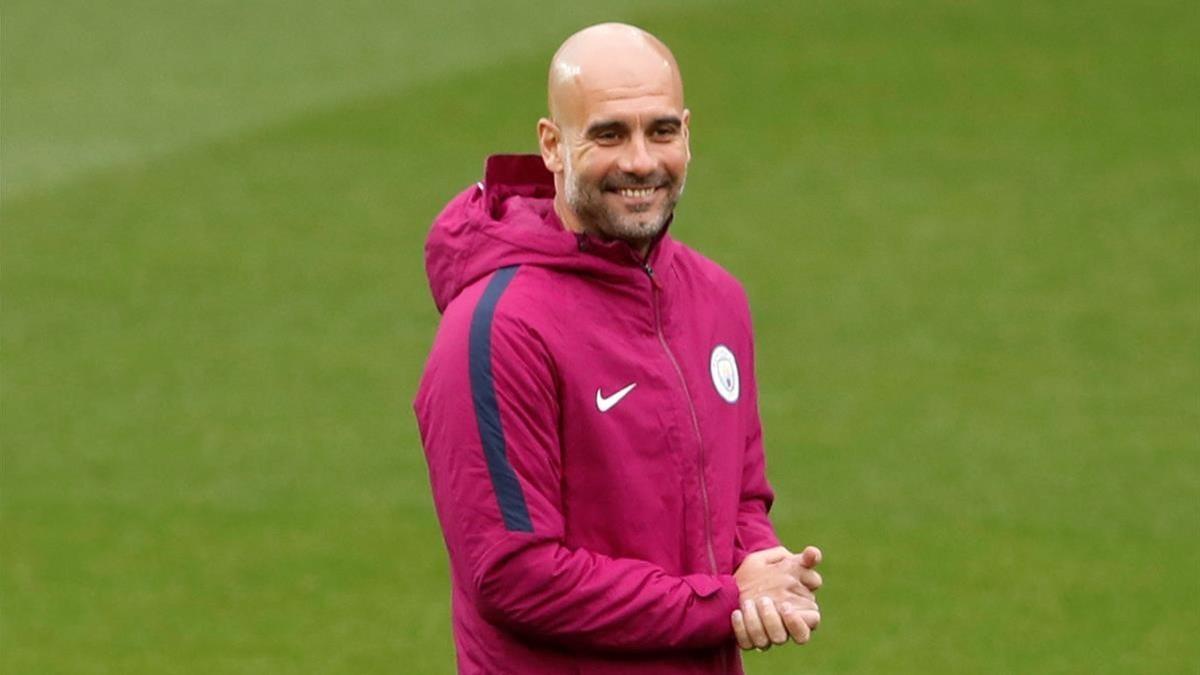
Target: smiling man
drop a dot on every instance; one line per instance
(589, 406)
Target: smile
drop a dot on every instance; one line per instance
(638, 193)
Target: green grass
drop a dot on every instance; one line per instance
(970, 233)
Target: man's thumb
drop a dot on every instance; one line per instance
(772, 555)
(810, 557)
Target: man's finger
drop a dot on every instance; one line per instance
(810, 557)
(796, 626)
(811, 579)
(739, 630)
(811, 618)
(798, 602)
(771, 621)
(800, 590)
(795, 567)
(754, 627)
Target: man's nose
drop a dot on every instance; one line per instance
(637, 159)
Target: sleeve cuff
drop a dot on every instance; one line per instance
(718, 596)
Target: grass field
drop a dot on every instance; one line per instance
(970, 232)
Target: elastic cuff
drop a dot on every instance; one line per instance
(709, 618)
(721, 590)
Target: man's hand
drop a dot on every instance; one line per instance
(777, 597)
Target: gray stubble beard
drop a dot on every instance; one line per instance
(594, 214)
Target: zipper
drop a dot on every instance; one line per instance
(662, 339)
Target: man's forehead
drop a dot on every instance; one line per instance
(634, 110)
(620, 92)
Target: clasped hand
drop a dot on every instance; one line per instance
(778, 597)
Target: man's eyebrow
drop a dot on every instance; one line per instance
(596, 128)
(599, 127)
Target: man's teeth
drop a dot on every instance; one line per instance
(643, 192)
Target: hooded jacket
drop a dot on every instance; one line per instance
(591, 428)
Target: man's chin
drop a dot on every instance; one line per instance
(638, 214)
(636, 232)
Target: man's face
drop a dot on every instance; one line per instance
(625, 162)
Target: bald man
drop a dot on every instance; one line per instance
(589, 407)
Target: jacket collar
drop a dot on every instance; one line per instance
(526, 176)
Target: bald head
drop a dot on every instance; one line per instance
(608, 57)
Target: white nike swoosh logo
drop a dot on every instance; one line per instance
(604, 403)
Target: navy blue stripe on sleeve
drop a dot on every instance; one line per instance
(487, 410)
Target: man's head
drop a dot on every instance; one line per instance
(617, 135)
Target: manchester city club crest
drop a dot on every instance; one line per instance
(725, 373)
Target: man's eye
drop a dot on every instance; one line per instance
(607, 136)
(664, 133)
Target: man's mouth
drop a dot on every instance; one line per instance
(636, 193)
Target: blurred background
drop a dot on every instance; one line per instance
(970, 232)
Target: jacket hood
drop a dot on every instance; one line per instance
(509, 219)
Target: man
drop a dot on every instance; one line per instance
(588, 410)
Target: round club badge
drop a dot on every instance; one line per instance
(724, 373)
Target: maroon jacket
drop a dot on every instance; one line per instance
(593, 439)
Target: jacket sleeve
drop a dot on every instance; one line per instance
(491, 435)
(754, 529)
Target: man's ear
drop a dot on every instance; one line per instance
(687, 132)
(550, 145)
